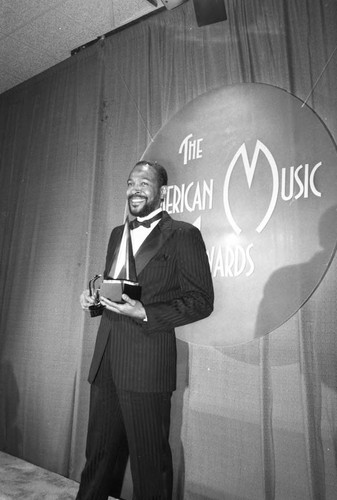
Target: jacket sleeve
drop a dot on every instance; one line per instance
(195, 298)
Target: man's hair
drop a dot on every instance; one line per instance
(159, 169)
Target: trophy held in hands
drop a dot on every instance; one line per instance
(97, 308)
(121, 279)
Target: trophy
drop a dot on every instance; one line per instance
(122, 277)
(96, 309)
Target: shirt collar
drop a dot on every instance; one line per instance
(152, 214)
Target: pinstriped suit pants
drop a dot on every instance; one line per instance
(122, 422)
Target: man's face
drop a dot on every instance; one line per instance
(143, 193)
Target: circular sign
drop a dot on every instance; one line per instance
(255, 169)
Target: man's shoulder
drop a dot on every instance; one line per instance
(182, 225)
(118, 228)
(116, 232)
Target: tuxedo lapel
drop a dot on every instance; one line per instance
(153, 242)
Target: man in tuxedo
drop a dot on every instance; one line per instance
(133, 370)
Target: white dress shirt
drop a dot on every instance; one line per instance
(139, 234)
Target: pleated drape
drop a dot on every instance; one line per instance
(250, 421)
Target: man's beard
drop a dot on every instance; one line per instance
(145, 210)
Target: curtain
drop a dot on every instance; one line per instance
(48, 162)
(251, 421)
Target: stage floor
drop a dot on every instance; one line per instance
(20, 480)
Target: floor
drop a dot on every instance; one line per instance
(20, 480)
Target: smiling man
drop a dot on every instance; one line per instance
(133, 370)
(146, 188)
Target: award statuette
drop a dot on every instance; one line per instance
(96, 309)
(122, 277)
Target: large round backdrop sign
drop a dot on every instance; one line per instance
(256, 170)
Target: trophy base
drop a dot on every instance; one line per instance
(113, 290)
(96, 310)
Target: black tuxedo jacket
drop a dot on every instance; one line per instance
(173, 270)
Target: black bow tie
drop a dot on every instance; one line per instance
(146, 223)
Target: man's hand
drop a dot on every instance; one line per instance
(86, 300)
(131, 307)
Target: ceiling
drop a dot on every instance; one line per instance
(37, 34)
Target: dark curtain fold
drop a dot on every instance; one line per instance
(251, 421)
